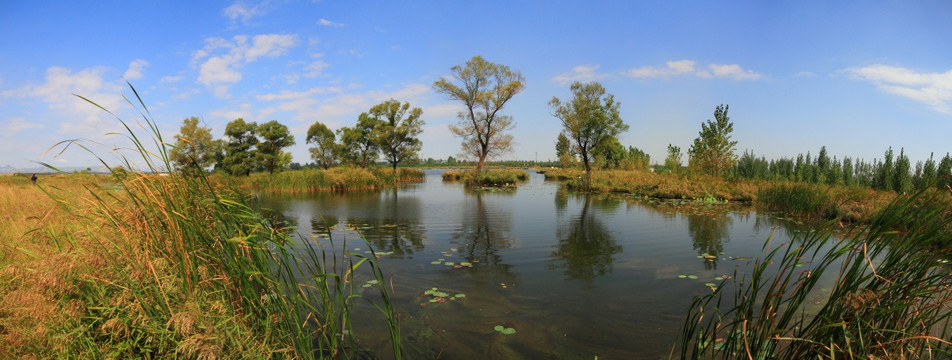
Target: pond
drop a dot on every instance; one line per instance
(537, 272)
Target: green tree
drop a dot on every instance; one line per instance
(194, 148)
(484, 89)
(397, 129)
(672, 163)
(590, 119)
(713, 150)
(274, 137)
(901, 180)
(357, 144)
(325, 149)
(239, 149)
(563, 149)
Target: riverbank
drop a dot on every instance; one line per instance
(822, 202)
(147, 266)
(339, 179)
(498, 178)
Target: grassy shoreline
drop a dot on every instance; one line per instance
(824, 202)
(498, 178)
(339, 179)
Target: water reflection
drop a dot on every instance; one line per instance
(708, 234)
(484, 231)
(586, 248)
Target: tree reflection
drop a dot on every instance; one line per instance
(709, 231)
(483, 233)
(586, 248)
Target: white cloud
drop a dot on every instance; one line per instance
(239, 10)
(224, 67)
(672, 68)
(325, 22)
(329, 104)
(934, 89)
(135, 69)
(168, 79)
(79, 118)
(581, 73)
(14, 125)
(687, 68)
(315, 69)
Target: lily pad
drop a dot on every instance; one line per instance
(449, 263)
(710, 284)
(459, 296)
(499, 328)
(504, 330)
(719, 278)
(437, 262)
(682, 276)
(692, 277)
(466, 264)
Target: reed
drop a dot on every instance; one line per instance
(339, 179)
(487, 178)
(181, 267)
(881, 293)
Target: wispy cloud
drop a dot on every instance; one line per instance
(688, 68)
(14, 125)
(325, 22)
(220, 70)
(243, 12)
(79, 119)
(135, 69)
(581, 73)
(934, 89)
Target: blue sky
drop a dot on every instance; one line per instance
(857, 77)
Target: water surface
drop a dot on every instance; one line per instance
(576, 276)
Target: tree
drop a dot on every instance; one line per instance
(672, 163)
(358, 145)
(397, 129)
(194, 148)
(590, 119)
(239, 153)
(325, 148)
(485, 88)
(713, 150)
(274, 138)
(563, 149)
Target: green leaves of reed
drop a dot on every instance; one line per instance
(883, 292)
(295, 298)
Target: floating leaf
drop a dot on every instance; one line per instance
(437, 262)
(692, 277)
(682, 276)
(710, 284)
(508, 331)
(466, 264)
(449, 263)
(459, 296)
(719, 278)
(499, 328)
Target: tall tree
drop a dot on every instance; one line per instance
(713, 150)
(590, 119)
(325, 149)
(484, 89)
(672, 163)
(563, 149)
(274, 137)
(194, 148)
(397, 130)
(357, 144)
(239, 153)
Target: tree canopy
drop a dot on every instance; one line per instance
(274, 138)
(357, 144)
(484, 88)
(397, 129)
(194, 148)
(324, 149)
(239, 153)
(589, 119)
(713, 150)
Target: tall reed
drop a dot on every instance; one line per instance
(200, 241)
(881, 293)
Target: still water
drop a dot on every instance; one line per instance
(576, 276)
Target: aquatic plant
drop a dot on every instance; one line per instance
(192, 269)
(889, 296)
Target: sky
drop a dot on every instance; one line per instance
(855, 76)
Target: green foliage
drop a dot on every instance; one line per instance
(490, 178)
(672, 163)
(239, 158)
(357, 144)
(396, 131)
(563, 149)
(484, 88)
(881, 293)
(273, 138)
(713, 151)
(325, 148)
(591, 120)
(194, 148)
